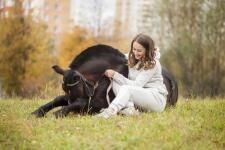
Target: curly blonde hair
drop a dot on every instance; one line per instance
(148, 61)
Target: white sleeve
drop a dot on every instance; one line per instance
(126, 55)
(143, 77)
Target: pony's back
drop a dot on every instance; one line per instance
(98, 52)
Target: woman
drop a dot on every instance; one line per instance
(144, 86)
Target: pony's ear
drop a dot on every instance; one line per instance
(58, 69)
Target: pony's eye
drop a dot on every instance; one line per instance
(76, 78)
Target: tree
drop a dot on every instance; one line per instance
(24, 52)
(196, 46)
(72, 44)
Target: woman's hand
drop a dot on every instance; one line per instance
(109, 73)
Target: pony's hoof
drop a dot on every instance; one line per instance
(59, 114)
(38, 113)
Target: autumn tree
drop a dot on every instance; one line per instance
(24, 53)
(72, 44)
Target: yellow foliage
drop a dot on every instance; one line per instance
(72, 44)
(40, 60)
(24, 54)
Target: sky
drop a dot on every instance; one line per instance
(108, 7)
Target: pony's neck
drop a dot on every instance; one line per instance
(92, 77)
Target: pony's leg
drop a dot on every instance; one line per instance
(97, 104)
(58, 101)
(77, 106)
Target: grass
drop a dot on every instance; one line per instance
(193, 124)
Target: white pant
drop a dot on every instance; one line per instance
(145, 99)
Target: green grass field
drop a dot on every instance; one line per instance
(193, 124)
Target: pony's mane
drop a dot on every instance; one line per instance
(95, 51)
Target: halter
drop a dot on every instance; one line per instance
(89, 92)
(86, 82)
(72, 84)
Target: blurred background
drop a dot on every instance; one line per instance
(37, 34)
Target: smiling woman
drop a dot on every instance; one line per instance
(138, 50)
(144, 86)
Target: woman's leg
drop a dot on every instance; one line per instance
(116, 88)
(146, 99)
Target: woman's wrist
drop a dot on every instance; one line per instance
(109, 73)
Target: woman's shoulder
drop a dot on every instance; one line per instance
(157, 54)
(158, 64)
(155, 67)
(126, 55)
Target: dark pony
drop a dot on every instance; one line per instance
(86, 88)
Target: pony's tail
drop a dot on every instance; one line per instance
(171, 86)
(174, 93)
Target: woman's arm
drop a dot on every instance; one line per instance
(143, 77)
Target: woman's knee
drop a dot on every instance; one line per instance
(125, 87)
(115, 87)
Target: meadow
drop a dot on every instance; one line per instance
(193, 124)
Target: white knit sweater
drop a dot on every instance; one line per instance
(151, 78)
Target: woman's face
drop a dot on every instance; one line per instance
(138, 50)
